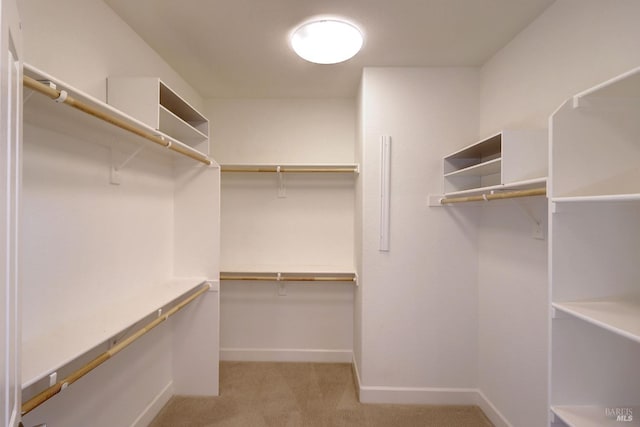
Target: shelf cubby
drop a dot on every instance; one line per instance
(151, 101)
(503, 159)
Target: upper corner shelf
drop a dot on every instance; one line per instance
(98, 112)
(291, 168)
(595, 143)
(623, 87)
(506, 158)
(151, 101)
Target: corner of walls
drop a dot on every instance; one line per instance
(571, 46)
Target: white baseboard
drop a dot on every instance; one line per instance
(429, 396)
(414, 395)
(285, 355)
(152, 409)
(418, 395)
(491, 411)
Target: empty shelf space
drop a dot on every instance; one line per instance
(617, 315)
(61, 344)
(594, 416)
(486, 168)
(474, 154)
(171, 124)
(173, 102)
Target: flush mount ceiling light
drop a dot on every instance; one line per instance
(327, 41)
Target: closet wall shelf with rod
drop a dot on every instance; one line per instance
(162, 315)
(61, 349)
(61, 92)
(288, 277)
(530, 188)
(291, 168)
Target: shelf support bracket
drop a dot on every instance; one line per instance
(538, 232)
(115, 170)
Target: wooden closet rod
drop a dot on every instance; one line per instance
(47, 394)
(274, 277)
(495, 196)
(289, 169)
(72, 102)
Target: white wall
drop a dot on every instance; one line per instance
(311, 229)
(87, 243)
(573, 45)
(83, 42)
(417, 310)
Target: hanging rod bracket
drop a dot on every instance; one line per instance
(282, 190)
(115, 177)
(282, 286)
(63, 97)
(538, 226)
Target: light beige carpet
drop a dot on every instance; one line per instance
(301, 394)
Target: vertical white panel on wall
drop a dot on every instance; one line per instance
(408, 336)
(385, 192)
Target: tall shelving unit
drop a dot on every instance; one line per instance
(594, 249)
(107, 256)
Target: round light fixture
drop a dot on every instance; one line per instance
(327, 41)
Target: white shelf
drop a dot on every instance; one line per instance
(151, 101)
(487, 168)
(619, 316)
(626, 85)
(592, 416)
(595, 150)
(61, 344)
(290, 269)
(178, 128)
(598, 199)
(521, 185)
(510, 156)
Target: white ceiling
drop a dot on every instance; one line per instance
(239, 48)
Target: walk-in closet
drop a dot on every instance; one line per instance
(205, 225)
